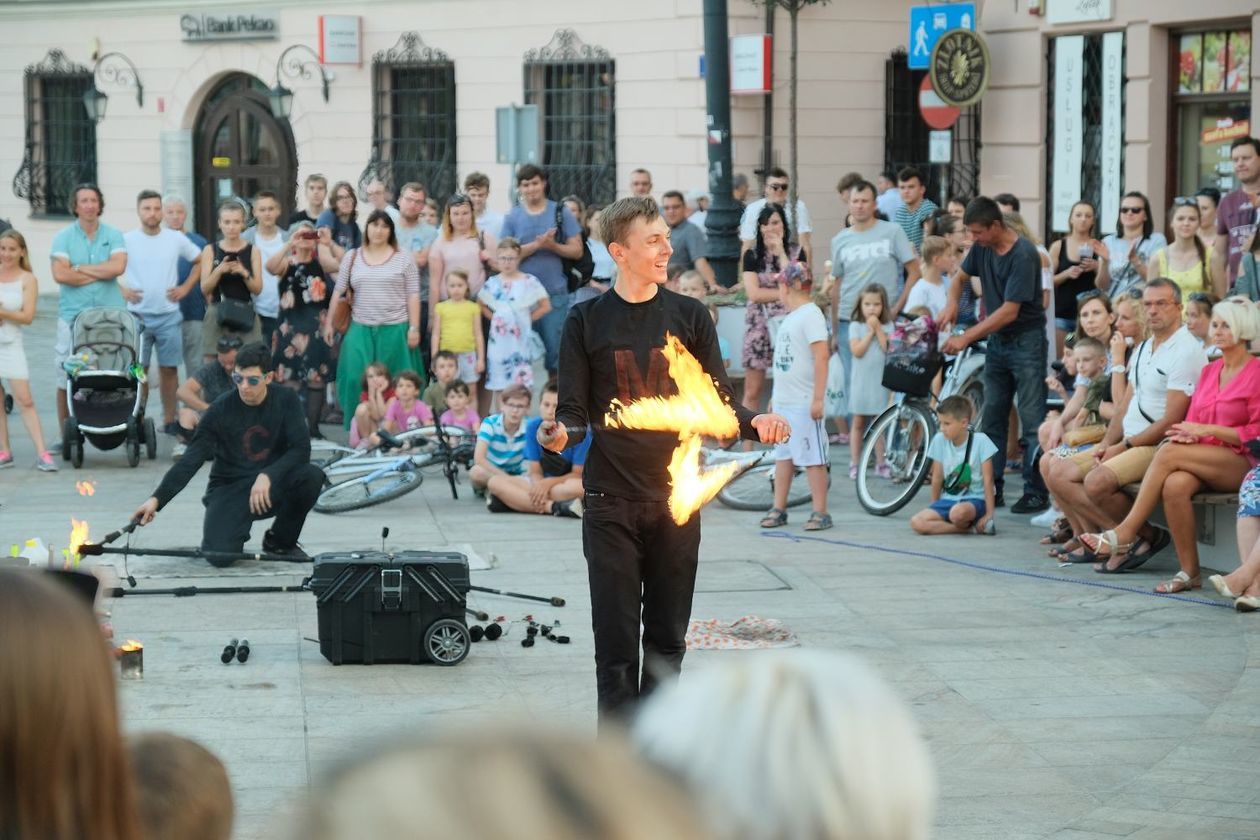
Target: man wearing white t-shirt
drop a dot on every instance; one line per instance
(153, 277)
(477, 188)
(269, 239)
(798, 219)
(1162, 374)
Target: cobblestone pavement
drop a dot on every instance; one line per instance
(1058, 705)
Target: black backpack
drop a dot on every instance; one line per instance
(580, 271)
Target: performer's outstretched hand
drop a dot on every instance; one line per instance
(771, 428)
(552, 436)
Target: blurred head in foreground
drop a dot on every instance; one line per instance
(182, 789)
(502, 784)
(793, 744)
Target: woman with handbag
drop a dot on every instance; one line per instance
(763, 263)
(301, 358)
(231, 274)
(378, 294)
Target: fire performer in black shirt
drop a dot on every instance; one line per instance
(641, 563)
(258, 438)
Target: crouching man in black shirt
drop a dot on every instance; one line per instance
(640, 563)
(258, 438)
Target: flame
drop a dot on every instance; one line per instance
(78, 536)
(85, 488)
(697, 409)
(130, 646)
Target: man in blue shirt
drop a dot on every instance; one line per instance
(543, 251)
(87, 259)
(552, 483)
(192, 306)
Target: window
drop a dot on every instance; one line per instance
(1085, 128)
(413, 118)
(1213, 106)
(60, 138)
(572, 85)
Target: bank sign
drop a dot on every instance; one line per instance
(253, 26)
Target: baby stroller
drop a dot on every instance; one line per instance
(103, 387)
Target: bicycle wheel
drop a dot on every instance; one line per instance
(902, 433)
(753, 489)
(369, 490)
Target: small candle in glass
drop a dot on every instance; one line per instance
(131, 660)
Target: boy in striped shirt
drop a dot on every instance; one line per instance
(501, 440)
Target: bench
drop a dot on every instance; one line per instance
(1214, 516)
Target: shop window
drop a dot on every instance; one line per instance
(573, 86)
(413, 118)
(60, 137)
(1213, 105)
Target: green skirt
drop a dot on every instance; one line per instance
(363, 345)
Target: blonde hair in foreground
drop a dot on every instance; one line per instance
(500, 784)
(793, 745)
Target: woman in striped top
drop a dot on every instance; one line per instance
(384, 312)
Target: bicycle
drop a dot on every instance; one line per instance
(359, 478)
(752, 488)
(905, 430)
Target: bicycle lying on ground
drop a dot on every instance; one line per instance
(904, 430)
(359, 478)
(752, 488)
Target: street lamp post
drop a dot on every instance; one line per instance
(295, 67)
(722, 221)
(113, 68)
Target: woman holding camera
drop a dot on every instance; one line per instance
(1075, 262)
(231, 274)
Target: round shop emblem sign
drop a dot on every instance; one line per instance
(960, 67)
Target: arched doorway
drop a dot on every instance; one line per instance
(240, 149)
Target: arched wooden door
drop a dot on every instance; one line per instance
(241, 149)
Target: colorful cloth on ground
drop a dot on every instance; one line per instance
(748, 633)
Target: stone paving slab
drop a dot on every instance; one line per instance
(1055, 707)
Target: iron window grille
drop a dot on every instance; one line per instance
(906, 135)
(1091, 122)
(413, 118)
(573, 85)
(60, 137)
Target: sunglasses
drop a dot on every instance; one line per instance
(776, 187)
(1185, 201)
(1132, 211)
(1092, 293)
(1201, 297)
(254, 381)
(459, 198)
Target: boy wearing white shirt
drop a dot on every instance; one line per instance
(153, 278)
(270, 240)
(800, 380)
(930, 292)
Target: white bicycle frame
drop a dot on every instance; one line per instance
(361, 461)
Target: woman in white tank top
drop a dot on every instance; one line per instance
(18, 290)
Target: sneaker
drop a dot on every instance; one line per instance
(171, 428)
(1047, 519)
(6, 460)
(44, 463)
(496, 505)
(883, 471)
(571, 509)
(999, 500)
(1030, 503)
(839, 439)
(292, 553)
(479, 492)
(853, 471)
(178, 450)
(990, 528)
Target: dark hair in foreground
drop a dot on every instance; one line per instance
(1008, 199)
(983, 210)
(255, 354)
(64, 773)
(182, 788)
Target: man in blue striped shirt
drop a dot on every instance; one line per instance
(501, 439)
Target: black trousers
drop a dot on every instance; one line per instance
(229, 520)
(641, 566)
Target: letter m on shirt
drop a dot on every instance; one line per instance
(631, 384)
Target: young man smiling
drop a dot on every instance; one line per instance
(641, 565)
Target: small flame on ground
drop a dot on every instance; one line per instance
(85, 488)
(78, 536)
(697, 409)
(130, 646)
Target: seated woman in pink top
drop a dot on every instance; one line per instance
(1206, 452)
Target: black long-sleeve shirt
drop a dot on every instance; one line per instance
(611, 348)
(244, 440)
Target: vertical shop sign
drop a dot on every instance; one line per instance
(1112, 146)
(1068, 109)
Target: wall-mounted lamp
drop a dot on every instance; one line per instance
(113, 68)
(295, 67)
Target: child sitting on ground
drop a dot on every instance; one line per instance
(182, 789)
(501, 439)
(457, 328)
(1089, 357)
(373, 400)
(459, 411)
(962, 475)
(406, 411)
(692, 285)
(445, 371)
(939, 260)
(801, 349)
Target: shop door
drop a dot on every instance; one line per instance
(241, 149)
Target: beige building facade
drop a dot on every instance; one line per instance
(1092, 98)
(620, 86)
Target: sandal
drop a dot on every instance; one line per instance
(1109, 539)
(818, 521)
(1067, 548)
(774, 518)
(1085, 556)
(1180, 582)
(1060, 533)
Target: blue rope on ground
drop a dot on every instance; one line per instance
(1098, 584)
